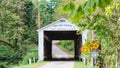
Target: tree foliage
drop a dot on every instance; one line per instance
(47, 11)
(84, 9)
(18, 25)
(102, 17)
(11, 30)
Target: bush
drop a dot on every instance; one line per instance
(7, 56)
(30, 55)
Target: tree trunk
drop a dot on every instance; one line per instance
(38, 20)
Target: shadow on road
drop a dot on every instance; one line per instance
(64, 59)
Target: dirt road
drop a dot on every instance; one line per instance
(59, 64)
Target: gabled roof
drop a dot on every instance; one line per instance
(60, 25)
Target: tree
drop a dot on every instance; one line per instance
(30, 34)
(101, 16)
(19, 21)
(11, 30)
(47, 11)
(10, 16)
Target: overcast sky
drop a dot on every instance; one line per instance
(47, 0)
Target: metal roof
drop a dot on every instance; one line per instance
(60, 25)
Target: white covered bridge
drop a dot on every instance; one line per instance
(59, 30)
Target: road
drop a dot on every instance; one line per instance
(59, 64)
(57, 52)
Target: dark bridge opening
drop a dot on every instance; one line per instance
(61, 35)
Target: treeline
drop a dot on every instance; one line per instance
(19, 21)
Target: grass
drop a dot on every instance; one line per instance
(65, 50)
(36, 65)
(82, 65)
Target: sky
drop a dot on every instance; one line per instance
(47, 0)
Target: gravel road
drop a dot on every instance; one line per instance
(59, 64)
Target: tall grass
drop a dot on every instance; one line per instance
(82, 65)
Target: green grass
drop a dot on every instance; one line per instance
(66, 46)
(36, 65)
(82, 65)
(65, 50)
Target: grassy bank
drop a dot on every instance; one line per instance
(67, 46)
(65, 50)
(34, 65)
(82, 65)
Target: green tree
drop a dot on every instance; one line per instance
(19, 21)
(11, 31)
(30, 34)
(101, 16)
(47, 11)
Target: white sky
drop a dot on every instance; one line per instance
(47, 0)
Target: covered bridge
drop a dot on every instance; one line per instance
(61, 29)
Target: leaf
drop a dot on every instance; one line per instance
(69, 7)
(76, 11)
(108, 1)
(103, 3)
(89, 7)
(88, 4)
(91, 3)
(77, 14)
(84, 6)
(97, 2)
